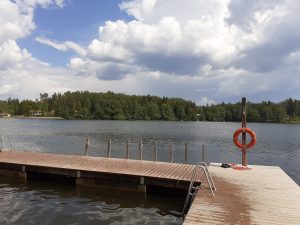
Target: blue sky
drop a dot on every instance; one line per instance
(77, 21)
(205, 51)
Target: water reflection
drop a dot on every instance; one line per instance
(56, 203)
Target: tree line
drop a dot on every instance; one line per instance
(115, 106)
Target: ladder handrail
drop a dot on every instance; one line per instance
(2, 141)
(209, 176)
(190, 194)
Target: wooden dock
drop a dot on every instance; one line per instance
(262, 195)
(107, 172)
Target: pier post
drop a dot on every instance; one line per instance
(244, 150)
(203, 153)
(186, 153)
(171, 152)
(109, 148)
(87, 142)
(24, 174)
(127, 148)
(155, 151)
(141, 150)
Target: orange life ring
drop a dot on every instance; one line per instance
(236, 138)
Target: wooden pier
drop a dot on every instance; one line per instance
(106, 172)
(262, 195)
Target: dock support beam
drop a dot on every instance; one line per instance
(141, 186)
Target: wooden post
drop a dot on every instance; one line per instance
(171, 152)
(155, 151)
(127, 148)
(186, 153)
(0, 144)
(203, 153)
(141, 150)
(244, 150)
(87, 142)
(109, 148)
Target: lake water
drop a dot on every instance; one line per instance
(277, 145)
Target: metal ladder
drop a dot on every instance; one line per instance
(2, 139)
(192, 191)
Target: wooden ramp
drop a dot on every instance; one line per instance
(153, 173)
(262, 195)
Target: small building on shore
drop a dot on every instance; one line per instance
(35, 113)
(4, 115)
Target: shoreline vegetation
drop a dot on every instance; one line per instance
(116, 106)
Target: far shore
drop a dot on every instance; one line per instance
(61, 118)
(39, 117)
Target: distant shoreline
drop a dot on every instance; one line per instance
(61, 118)
(39, 117)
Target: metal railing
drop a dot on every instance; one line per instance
(2, 142)
(192, 191)
(140, 149)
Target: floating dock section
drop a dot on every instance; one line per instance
(114, 173)
(262, 195)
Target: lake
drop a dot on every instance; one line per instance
(277, 145)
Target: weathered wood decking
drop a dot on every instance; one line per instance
(262, 195)
(153, 173)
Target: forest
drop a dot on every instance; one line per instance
(116, 106)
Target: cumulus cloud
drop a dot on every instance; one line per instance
(17, 66)
(207, 51)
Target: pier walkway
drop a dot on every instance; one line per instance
(262, 195)
(87, 169)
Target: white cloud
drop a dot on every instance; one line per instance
(138, 9)
(206, 101)
(65, 46)
(107, 51)
(11, 54)
(207, 51)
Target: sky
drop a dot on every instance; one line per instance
(207, 51)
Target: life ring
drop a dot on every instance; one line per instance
(236, 138)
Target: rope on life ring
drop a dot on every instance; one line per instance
(248, 131)
(237, 167)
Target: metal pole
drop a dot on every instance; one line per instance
(244, 150)
(87, 142)
(186, 153)
(127, 148)
(109, 148)
(203, 153)
(141, 150)
(171, 152)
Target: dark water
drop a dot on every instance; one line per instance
(277, 144)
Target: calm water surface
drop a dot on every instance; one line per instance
(277, 144)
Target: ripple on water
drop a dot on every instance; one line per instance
(63, 204)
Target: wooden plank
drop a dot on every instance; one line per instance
(262, 195)
(172, 171)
